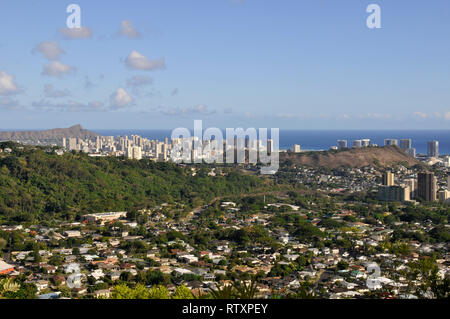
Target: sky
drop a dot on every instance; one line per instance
(161, 64)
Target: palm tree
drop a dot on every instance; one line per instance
(246, 291)
(8, 285)
(224, 292)
(236, 291)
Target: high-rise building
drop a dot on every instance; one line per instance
(446, 161)
(365, 142)
(164, 151)
(390, 141)
(72, 144)
(341, 144)
(98, 143)
(388, 179)
(443, 195)
(405, 144)
(269, 146)
(137, 152)
(357, 144)
(411, 152)
(134, 152)
(412, 184)
(393, 193)
(427, 187)
(296, 148)
(433, 149)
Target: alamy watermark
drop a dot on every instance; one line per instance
(75, 277)
(74, 19)
(240, 146)
(373, 20)
(373, 279)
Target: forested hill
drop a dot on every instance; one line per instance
(37, 184)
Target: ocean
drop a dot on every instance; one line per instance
(324, 139)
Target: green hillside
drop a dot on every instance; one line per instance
(36, 184)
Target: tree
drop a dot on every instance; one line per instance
(126, 276)
(182, 292)
(122, 291)
(236, 291)
(342, 265)
(8, 285)
(159, 292)
(430, 285)
(36, 256)
(2, 244)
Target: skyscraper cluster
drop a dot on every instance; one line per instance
(424, 188)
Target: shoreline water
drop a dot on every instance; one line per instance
(316, 140)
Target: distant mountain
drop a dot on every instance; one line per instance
(53, 134)
(354, 157)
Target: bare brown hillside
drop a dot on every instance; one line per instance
(357, 157)
(57, 133)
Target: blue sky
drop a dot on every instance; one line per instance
(310, 64)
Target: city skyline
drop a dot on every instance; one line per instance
(230, 63)
(195, 152)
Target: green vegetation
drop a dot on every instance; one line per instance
(36, 185)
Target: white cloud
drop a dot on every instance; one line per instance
(76, 33)
(56, 68)
(120, 99)
(376, 116)
(7, 85)
(50, 49)
(137, 61)
(128, 30)
(343, 117)
(420, 114)
(447, 116)
(50, 91)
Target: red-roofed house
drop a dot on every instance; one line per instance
(5, 268)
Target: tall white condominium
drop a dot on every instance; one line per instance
(98, 143)
(296, 148)
(341, 144)
(405, 144)
(447, 161)
(357, 144)
(365, 142)
(73, 144)
(137, 152)
(134, 152)
(411, 152)
(433, 149)
(390, 141)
